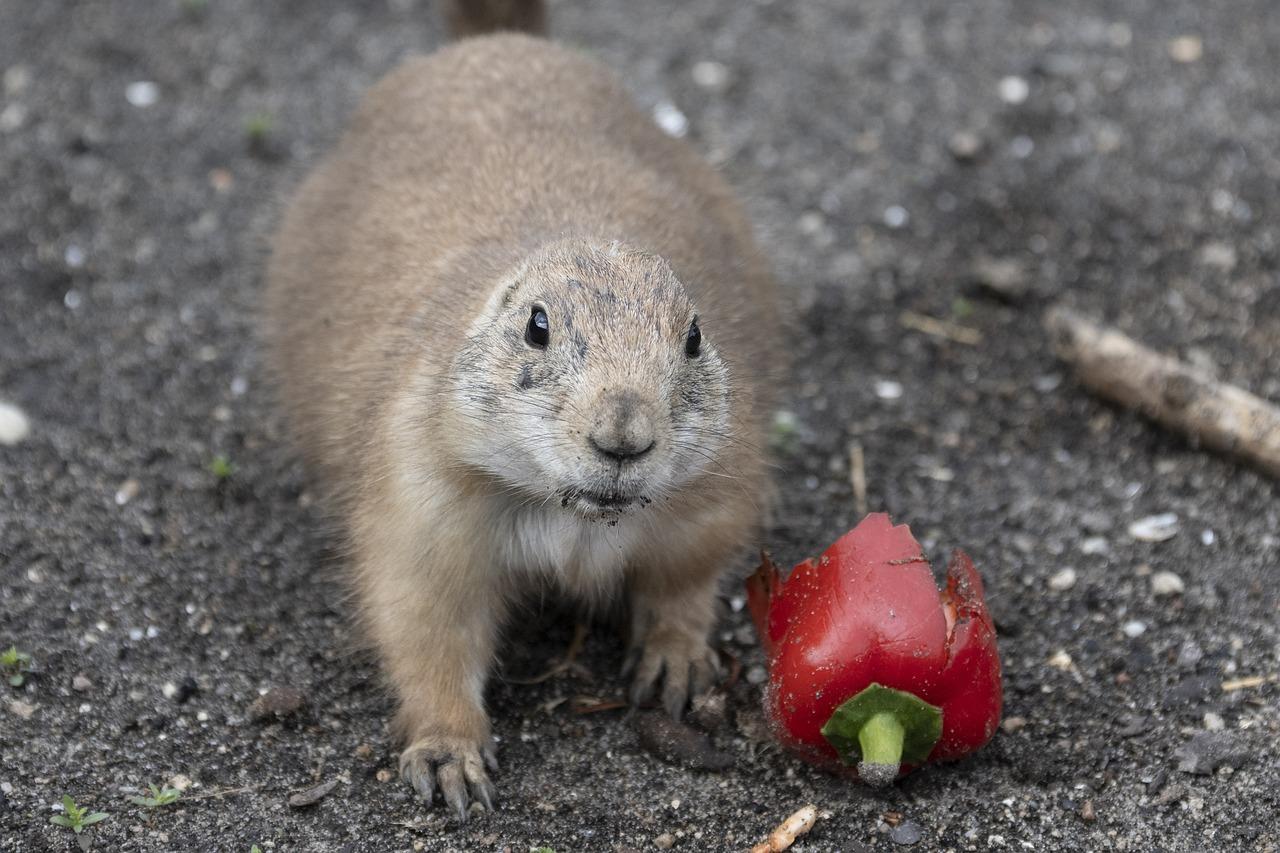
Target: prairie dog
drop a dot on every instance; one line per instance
(522, 337)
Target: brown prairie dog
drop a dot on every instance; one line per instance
(522, 336)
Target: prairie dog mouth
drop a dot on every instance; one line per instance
(601, 504)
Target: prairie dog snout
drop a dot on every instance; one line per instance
(522, 337)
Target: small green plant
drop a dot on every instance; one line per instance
(76, 818)
(541, 850)
(159, 797)
(15, 665)
(221, 468)
(255, 849)
(258, 126)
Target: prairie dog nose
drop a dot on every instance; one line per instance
(623, 428)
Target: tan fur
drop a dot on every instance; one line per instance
(501, 173)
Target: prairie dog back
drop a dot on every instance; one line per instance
(522, 335)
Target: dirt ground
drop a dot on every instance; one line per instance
(969, 162)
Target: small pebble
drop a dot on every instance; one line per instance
(665, 841)
(1014, 90)
(81, 683)
(1214, 722)
(1189, 654)
(1087, 811)
(896, 216)
(1094, 545)
(127, 491)
(1005, 278)
(277, 702)
(384, 775)
(312, 795)
(757, 675)
(1186, 49)
(906, 833)
(887, 389)
(14, 425)
(1063, 580)
(142, 93)
(1219, 255)
(1207, 537)
(1166, 583)
(1155, 528)
(710, 75)
(1061, 660)
(1097, 522)
(965, 145)
(1207, 751)
(1013, 725)
(169, 690)
(22, 709)
(1134, 629)
(1022, 147)
(668, 117)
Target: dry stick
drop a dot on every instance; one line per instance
(858, 477)
(788, 831)
(1168, 391)
(940, 328)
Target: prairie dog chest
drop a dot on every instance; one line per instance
(587, 557)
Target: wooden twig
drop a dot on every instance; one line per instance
(1247, 682)
(858, 478)
(940, 328)
(788, 831)
(1169, 391)
(568, 664)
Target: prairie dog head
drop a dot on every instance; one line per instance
(588, 380)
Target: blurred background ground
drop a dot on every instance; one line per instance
(968, 162)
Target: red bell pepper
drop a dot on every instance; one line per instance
(868, 663)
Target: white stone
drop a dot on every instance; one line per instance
(887, 389)
(669, 117)
(1166, 583)
(711, 75)
(142, 93)
(1155, 528)
(1134, 629)
(896, 216)
(1014, 90)
(14, 425)
(1063, 580)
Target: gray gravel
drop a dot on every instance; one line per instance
(969, 162)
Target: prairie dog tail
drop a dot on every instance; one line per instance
(477, 17)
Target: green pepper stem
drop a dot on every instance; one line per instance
(881, 739)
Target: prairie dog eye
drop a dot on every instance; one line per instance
(538, 332)
(693, 343)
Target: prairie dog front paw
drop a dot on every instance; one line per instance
(457, 767)
(676, 656)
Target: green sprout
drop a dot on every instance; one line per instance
(76, 818)
(258, 126)
(159, 797)
(784, 432)
(15, 665)
(255, 849)
(541, 850)
(221, 468)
